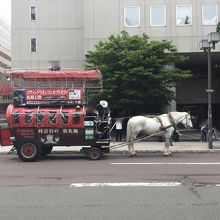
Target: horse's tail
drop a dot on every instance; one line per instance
(129, 132)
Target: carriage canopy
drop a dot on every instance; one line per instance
(46, 75)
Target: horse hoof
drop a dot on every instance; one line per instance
(133, 155)
(167, 153)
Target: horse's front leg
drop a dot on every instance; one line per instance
(167, 150)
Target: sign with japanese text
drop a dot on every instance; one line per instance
(53, 94)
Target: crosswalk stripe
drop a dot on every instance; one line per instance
(129, 184)
(165, 163)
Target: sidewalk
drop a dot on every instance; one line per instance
(144, 146)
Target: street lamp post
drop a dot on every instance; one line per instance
(207, 45)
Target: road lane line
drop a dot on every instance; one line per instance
(149, 184)
(165, 163)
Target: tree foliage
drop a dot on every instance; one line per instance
(218, 27)
(136, 73)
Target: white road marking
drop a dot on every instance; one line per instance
(161, 184)
(165, 163)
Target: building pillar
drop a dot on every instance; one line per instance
(171, 107)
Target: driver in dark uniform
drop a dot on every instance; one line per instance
(103, 110)
(103, 115)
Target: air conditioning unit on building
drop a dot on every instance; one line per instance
(54, 65)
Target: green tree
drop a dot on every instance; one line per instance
(134, 71)
(218, 27)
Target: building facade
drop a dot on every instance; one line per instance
(60, 32)
(5, 64)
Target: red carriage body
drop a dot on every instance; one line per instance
(50, 109)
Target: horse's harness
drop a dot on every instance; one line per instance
(173, 124)
(162, 127)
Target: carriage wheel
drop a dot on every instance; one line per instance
(94, 153)
(46, 150)
(29, 151)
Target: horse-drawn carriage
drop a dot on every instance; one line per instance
(50, 109)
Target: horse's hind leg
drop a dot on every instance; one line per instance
(131, 150)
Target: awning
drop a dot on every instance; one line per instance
(69, 75)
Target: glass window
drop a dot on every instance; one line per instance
(64, 117)
(132, 16)
(52, 117)
(16, 117)
(40, 117)
(33, 13)
(28, 117)
(157, 15)
(183, 14)
(209, 14)
(33, 45)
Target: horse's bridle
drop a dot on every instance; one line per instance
(172, 120)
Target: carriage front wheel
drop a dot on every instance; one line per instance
(29, 151)
(94, 153)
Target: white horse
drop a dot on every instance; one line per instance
(164, 122)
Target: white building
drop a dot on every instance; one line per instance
(5, 45)
(62, 31)
(5, 63)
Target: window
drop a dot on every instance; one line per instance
(33, 13)
(16, 117)
(209, 14)
(64, 117)
(157, 15)
(183, 15)
(28, 117)
(132, 16)
(52, 117)
(33, 45)
(40, 117)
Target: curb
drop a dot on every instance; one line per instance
(124, 152)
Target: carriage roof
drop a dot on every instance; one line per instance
(61, 75)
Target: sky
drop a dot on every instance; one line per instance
(5, 9)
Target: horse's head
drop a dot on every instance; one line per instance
(182, 117)
(186, 121)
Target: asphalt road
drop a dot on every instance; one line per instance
(150, 186)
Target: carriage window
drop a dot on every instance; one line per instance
(64, 117)
(28, 117)
(40, 117)
(52, 117)
(76, 119)
(16, 117)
